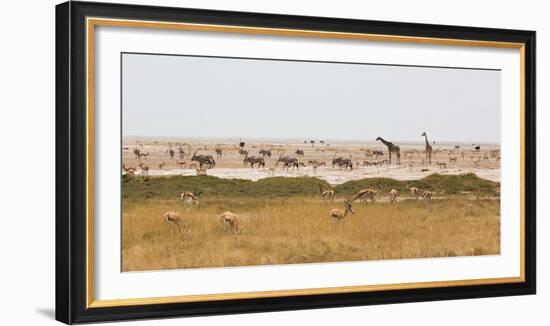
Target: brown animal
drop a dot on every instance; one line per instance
(365, 195)
(413, 191)
(393, 196)
(427, 195)
(175, 218)
(339, 214)
(190, 198)
(326, 195)
(231, 219)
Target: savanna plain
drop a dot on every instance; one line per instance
(286, 217)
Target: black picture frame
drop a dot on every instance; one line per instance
(71, 156)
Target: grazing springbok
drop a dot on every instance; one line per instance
(393, 196)
(365, 195)
(339, 214)
(413, 191)
(190, 198)
(427, 195)
(231, 219)
(175, 218)
(326, 194)
(442, 165)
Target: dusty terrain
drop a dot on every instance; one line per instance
(414, 165)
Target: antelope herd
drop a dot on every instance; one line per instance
(275, 157)
(232, 221)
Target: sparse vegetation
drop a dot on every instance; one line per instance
(284, 221)
(168, 187)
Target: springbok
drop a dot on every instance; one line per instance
(427, 195)
(339, 214)
(365, 195)
(190, 198)
(175, 218)
(233, 220)
(393, 196)
(315, 165)
(413, 191)
(326, 195)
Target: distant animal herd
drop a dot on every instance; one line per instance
(185, 157)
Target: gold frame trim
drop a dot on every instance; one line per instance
(92, 22)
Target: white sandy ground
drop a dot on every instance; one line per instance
(332, 175)
(230, 166)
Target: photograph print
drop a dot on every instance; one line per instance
(232, 161)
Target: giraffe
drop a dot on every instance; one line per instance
(392, 149)
(429, 149)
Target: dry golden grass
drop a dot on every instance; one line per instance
(299, 230)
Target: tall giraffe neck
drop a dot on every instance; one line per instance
(426, 137)
(385, 142)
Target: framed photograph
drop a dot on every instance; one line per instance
(213, 162)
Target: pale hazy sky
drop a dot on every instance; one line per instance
(186, 96)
